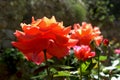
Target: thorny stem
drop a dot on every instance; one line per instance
(98, 67)
(80, 70)
(89, 70)
(47, 69)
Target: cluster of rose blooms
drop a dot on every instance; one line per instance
(51, 36)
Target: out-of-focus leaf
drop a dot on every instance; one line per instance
(63, 66)
(102, 18)
(40, 69)
(118, 67)
(114, 78)
(115, 63)
(74, 72)
(102, 58)
(109, 68)
(53, 70)
(40, 77)
(50, 60)
(84, 67)
(91, 66)
(62, 73)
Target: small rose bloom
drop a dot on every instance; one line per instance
(117, 51)
(83, 52)
(105, 42)
(86, 33)
(43, 34)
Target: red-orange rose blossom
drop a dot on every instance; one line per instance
(86, 33)
(43, 34)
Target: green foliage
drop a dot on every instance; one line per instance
(62, 73)
(68, 11)
(12, 13)
(103, 58)
(22, 10)
(13, 65)
(99, 12)
(115, 10)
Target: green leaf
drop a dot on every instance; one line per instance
(102, 18)
(38, 77)
(62, 73)
(102, 58)
(87, 67)
(50, 60)
(91, 66)
(115, 63)
(53, 70)
(109, 68)
(118, 67)
(63, 66)
(84, 67)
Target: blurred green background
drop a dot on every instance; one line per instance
(102, 13)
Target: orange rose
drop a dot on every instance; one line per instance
(43, 34)
(83, 52)
(86, 33)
